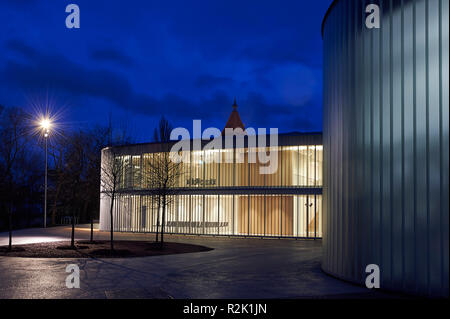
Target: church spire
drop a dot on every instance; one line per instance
(234, 121)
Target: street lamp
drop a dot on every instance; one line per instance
(45, 125)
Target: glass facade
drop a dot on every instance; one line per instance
(242, 215)
(222, 192)
(298, 166)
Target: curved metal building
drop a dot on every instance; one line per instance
(386, 146)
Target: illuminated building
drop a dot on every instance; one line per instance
(226, 197)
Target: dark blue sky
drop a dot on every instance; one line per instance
(184, 59)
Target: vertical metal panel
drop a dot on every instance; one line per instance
(386, 106)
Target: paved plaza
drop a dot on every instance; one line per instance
(236, 268)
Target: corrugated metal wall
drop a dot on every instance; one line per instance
(386, 147)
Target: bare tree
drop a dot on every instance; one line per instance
(113, 168)
(97, 139)
(75, 176)
(56, 149)
(112, 175)
(85, 146)
(163, 174)
(13, 140)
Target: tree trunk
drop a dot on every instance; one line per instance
(92, 229)
(53, 214)
(163, 220)
(85, 211)
(157, 218)
(55, 201)
(111, 221)
(72, 241)
(10, 228)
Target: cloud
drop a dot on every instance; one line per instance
(256, 31)
(210, 81)
(256, 111)
(111, 55)
(39, 71)
(20, 47)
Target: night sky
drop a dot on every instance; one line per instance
(138, 60)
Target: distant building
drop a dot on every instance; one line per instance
(234, 121)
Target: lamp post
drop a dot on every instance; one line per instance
(45, 124)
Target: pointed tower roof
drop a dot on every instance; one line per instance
(234, 121)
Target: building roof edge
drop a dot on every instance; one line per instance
(326, 15)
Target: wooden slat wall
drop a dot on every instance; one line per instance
(278, 210)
